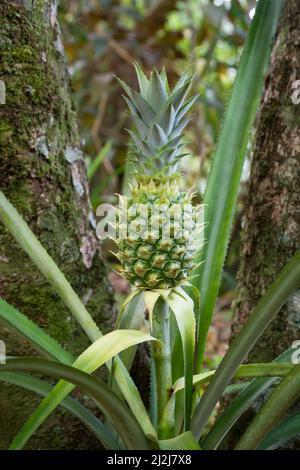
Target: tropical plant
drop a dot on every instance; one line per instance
(158, 246)
(158, 268)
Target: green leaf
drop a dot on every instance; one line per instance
(163, 76)
(142, 79)
(194, 293)
(151, 297)
(145, 111)
(133, 398)
(185, 441)
(30, 244)
(185, 108)
(239, 405)
(183, 309)
(91, 359)
(132, 319)
(244, 371)
(156, 94)
(41, 341)
(278, 293)
(284, 395)
(157, 137)
(109, 346)
(286, 430)
(185, 79)
(97, 162)
(198, 379)
(223, 183)
(121, 417)
(127, 301)
(42, 388)
(166, 117)
(153, 409)
(177, 97)
(177, 372)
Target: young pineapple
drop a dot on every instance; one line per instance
(157, 224)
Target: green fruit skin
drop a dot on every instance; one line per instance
(159, 248)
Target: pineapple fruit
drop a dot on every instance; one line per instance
(157, 224)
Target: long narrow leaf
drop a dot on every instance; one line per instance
(97, 162)
(278, 293)
(134, 293)
(286, 430)
(91, 359)
(185, 441)
(133, 398)
(43, 343)
(183, 309)
(177, 372)
(224, 178)
(133, 319)
(31, 245)
(284, 395)
(123, 420)
(105, 436)
(244, 371)
(239, 405)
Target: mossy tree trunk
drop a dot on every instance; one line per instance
(42, 172)
(271, 232)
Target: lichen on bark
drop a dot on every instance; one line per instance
(38, 133)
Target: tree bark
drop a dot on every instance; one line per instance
(271, 230)
(42, 172)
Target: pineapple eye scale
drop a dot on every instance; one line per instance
(153, 278)
(158, 261)
(145, 251)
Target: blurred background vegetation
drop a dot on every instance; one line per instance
(102, 38)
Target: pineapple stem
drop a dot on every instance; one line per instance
(161, 356)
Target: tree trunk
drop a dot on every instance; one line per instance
(271, 232)
(42, 172)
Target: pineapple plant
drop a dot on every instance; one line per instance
(157, 224)
(169, 425)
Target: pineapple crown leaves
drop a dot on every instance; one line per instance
(159, 119)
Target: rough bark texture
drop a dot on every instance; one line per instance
(271, 231)
(42, 172)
